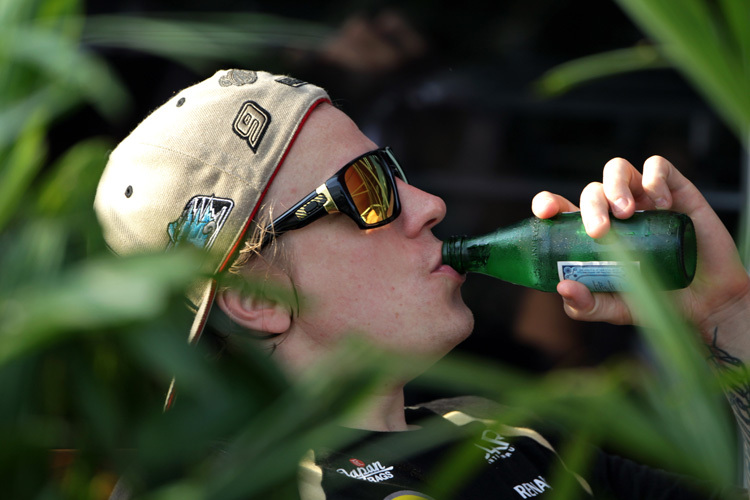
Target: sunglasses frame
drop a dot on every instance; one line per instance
(332, 196)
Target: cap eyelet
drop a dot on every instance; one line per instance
(181, 102)
(128, 191)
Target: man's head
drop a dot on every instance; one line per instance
(385, 283)
(195, 171)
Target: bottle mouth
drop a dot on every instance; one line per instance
(452, 253)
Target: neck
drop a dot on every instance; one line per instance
(381, 411)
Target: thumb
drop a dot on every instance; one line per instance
(582, 305)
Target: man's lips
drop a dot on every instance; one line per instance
(449, 271)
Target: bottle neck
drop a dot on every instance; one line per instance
(452, 251)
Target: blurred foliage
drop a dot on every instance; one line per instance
(197, 42)
(707, 42)
(89, 342)
(570, 75)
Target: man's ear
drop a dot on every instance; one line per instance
(254, 313)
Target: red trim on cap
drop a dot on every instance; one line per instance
(202, 321)
(270, 180)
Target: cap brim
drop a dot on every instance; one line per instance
(204, 309)
(196, 329)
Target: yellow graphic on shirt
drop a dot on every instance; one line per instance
(407, 495)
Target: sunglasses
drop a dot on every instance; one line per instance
(364, 189)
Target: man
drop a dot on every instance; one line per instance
(247, 165)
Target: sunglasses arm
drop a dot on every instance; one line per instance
(313, 207)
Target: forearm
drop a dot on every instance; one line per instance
(735, 378)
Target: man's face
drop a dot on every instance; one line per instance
(387, 283)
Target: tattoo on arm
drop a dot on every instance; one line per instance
(737, 388)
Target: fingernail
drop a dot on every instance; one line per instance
(592, 224)
(661, 203)
(621, 204)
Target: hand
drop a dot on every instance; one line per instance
(720, 291)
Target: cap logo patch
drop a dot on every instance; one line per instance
(292, 82)
(251, 124)
(238, 77)
(200, 222)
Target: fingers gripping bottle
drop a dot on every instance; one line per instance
(539, 253)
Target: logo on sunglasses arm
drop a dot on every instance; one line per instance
(251, 124)
(200, 222)
(309, 207)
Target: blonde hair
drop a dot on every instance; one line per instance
(251, 247)
(275, 256)
(222, 327)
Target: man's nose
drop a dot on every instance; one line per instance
(419, 209)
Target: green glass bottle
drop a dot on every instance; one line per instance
(539, 253)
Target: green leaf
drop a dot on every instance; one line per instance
(569, 75)
(736, 14)
(34, 252)
(96, 294)
(20, 167)
(38, 104)
(72, 180)
(198, 39)
(695, 40)
(69, 69)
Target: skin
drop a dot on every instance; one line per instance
(720, 292)
(718, 300)
(386, 285)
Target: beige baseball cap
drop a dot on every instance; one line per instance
(195, 171)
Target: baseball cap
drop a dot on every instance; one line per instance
(195, 171)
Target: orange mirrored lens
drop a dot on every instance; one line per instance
(370, 190)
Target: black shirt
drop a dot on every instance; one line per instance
(456, 454)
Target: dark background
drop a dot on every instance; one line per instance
(465, 121)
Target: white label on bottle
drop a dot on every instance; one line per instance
(598, 276)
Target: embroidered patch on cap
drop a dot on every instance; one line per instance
(251, 123)
(292, 82)
(200, 222)
(238, 77)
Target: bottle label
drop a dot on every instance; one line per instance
(598, 276)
